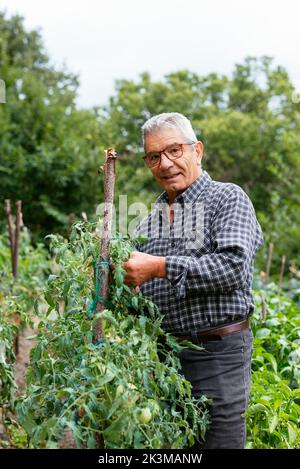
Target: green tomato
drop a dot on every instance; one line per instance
(154, 406)
(145, 415)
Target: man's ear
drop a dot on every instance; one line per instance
(199, 150)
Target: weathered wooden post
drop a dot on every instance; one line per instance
(14, 236)
(281, 275)
(269, 261)
(10, 226)
(109, 170)
(14, 233)
(17, 236)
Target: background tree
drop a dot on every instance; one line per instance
(50, 149)
(249, 126)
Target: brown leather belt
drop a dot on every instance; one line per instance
(214, 333)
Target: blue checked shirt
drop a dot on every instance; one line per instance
(209, 265)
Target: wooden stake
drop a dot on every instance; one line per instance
(103, 273)
(11, 230)
(16, 237)
(14, 233)
(269, 261)
(283, 260)
(264, 311)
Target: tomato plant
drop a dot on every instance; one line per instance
(17, 298)
(127, 387)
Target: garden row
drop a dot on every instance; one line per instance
(125, 391)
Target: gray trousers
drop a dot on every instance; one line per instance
(223, 373)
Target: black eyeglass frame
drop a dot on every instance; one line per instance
(163, 152)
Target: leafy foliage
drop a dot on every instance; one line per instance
(127, 387)
(248, 123)
(7, 359)
(50, 150)
(49, 153)
(274, 411)
(17, 298)
(66, 366)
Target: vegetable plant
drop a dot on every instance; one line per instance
(125, 389)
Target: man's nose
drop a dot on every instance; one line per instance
(165, 162)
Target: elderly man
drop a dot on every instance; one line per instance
(200, 278)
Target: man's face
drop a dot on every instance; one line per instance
(177, 175)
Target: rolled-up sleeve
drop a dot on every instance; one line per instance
(235, 237)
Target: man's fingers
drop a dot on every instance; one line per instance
(128, 281)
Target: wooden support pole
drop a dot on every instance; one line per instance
(14, 233)
(14, 236)
(17, 237)
(263, 306)
(11, 229)
(282, 269)
(109, 169)
(269, 261)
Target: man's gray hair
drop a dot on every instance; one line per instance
(173, 120)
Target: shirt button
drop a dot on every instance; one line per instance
(173, 244)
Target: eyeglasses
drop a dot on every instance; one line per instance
(172, 152)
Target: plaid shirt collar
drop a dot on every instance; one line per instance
(191, 194)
